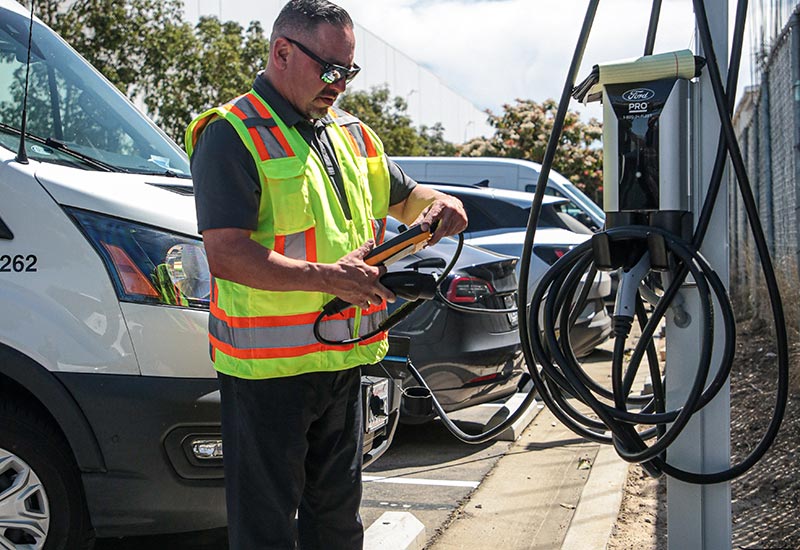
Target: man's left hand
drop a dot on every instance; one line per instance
(450, 214)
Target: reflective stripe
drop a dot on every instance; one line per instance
(279, 336)
(354, 143)
(353, 131)
(300, 246)
(286, 336)
(262, 110)
(379, 230)
(276, 353)
(372, 318)
(280, 244)
(370, 147)
(264, 131)
(341, 117)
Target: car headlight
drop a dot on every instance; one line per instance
(148, 265)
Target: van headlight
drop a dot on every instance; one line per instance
(148, 265)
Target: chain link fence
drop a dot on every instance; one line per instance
(767, 123)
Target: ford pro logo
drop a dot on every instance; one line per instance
(639, 94)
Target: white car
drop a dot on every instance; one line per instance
(504, 173)
(497, 221)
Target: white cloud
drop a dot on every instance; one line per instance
(494, 51)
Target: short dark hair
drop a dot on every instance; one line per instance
(302, 17)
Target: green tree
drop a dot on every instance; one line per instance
(388, 118)
(151, 54)
(522, 132)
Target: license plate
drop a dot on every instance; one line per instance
(377, 405)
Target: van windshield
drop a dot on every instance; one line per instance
(75, 116)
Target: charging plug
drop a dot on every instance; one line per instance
(408, 285)
(629, 280)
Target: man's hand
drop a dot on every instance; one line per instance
(450, 214)
(356, 282)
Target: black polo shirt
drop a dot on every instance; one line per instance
(227, 189)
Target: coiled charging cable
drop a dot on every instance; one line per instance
(547, 343)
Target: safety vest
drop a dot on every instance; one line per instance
(256, 333)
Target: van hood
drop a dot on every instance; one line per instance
(159, 201)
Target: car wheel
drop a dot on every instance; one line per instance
(41, 497)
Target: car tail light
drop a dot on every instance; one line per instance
(550, 254)
(146, 264)
(468, 290)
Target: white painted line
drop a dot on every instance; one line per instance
(419, 481)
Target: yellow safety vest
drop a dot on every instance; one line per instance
(266, 334)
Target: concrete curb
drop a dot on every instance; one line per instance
(513, 432)
(395, 531)
(598, 507)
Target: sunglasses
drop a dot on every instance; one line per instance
(331, 72)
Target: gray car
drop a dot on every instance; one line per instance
(497, 222)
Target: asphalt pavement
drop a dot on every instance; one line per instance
(542, 488)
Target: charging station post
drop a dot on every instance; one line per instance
(699, 516)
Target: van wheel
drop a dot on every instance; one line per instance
(41, 496)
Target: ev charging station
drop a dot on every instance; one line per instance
(660, 139)
(667, 137)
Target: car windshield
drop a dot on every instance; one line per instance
(75, 117)
(585, 201)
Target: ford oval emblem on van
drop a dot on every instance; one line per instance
(638, 94)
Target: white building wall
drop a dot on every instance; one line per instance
(429, 99)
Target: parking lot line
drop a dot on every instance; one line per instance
(421, 481)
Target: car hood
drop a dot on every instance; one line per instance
(164, 202)
(543, 236)
(512, 242)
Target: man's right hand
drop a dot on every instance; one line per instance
(357, 282)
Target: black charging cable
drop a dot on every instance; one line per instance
(547, 341)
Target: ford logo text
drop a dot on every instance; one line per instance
(638, 94)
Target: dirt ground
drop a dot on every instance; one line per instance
(766, 499)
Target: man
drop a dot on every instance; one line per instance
(291, 195)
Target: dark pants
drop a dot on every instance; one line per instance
(293, 446)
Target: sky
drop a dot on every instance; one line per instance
(496, 51)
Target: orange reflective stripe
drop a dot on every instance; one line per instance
(371, 151)
(279, 353)
(311, 245)
(199, 127)
(264, 112)
(257, 141)
(273, 353)
(377, 338)
(280, 244)
(278, 320)
(350, 137)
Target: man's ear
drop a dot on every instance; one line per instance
(279, 52)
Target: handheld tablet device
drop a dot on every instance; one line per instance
(407, 242)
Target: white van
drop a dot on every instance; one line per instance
(504, 173)
(109, 407)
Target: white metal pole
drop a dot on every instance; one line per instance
(699, 517)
